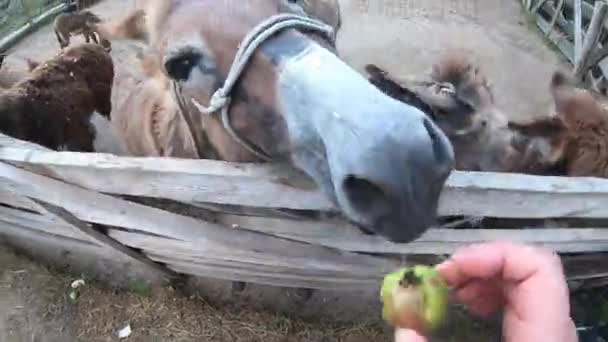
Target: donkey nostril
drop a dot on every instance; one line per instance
(366, 198)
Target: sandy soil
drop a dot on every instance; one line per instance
(402, 36)
(35, 307)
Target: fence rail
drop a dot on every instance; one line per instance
(579, 30)
(14, 14)
(321, 252)
(266, 224)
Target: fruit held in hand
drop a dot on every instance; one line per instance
(414, 298)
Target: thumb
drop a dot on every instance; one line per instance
(403, 335)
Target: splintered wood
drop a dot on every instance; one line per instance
(66, 197)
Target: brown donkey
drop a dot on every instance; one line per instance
(459, 99)
(574, 141)
(382, 162)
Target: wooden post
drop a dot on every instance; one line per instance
(558, 10)
(582, 64)
(578, 30)
(538, 5)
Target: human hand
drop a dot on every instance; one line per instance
(528, 283)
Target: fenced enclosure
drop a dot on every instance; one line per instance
(14, 14)
(266, 224)
(262, 223)
(578, 28)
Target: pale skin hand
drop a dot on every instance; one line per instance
(527, 282)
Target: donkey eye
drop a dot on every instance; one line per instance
(179, 67)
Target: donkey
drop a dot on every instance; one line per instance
(382, 162)
(69, 24)
(461, 101)
(573, 141)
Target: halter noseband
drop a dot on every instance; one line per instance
(221, 99)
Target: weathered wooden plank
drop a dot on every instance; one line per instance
(17, 201)
(192, 181)
(156, 244)
(565, 46)
(578, 31)
(232, 275)
(537, 6)
(266, 270)
(556, 14)
(466, 193)
(586, 8)
(435, 241)
(103, 209)
(477, 194)
(79, 256)
(562, 42)
(9, 230)
(587, 11)
(591, 40)
(41, 223)
(102, 239)
(564, 25)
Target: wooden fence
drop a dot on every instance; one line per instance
(15, 14)
(245, 222)
(578, 28)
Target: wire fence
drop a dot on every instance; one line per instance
(16, 13)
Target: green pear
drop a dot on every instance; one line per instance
(415, 298)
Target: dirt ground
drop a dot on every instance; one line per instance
(402, 36)
(35, 306)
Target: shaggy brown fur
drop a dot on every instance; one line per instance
(11, 76)
(53, 106)
(460, 100)
(573, 142)
(68, 24)
(158, 129)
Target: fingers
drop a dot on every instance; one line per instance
(499, 260)
(483, 261)
(483, 298)
(403, 335)
(530, 280)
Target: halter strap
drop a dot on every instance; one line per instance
(220, 101)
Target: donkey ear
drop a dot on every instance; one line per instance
(544, 127)
(327, 11)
